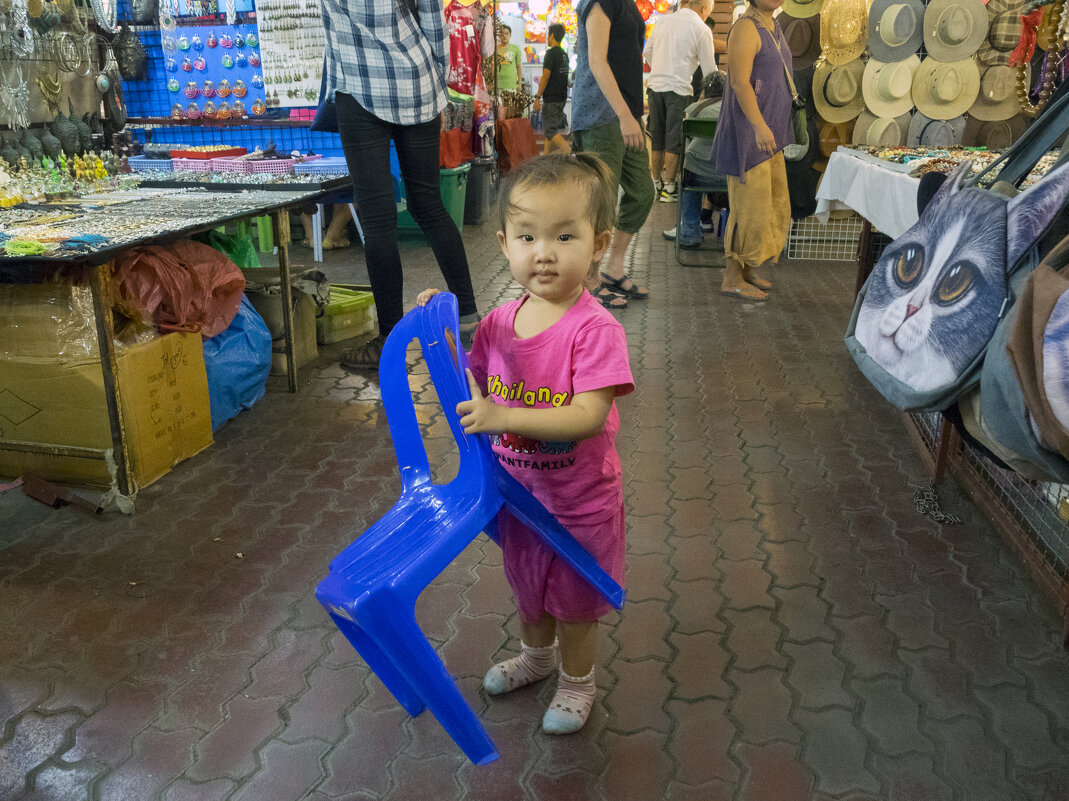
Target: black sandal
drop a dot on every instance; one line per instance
(365, 357)
(608, 298)
(617, 285)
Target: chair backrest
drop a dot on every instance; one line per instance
(698, 128)
(435, 327)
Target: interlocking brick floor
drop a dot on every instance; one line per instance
(794, 629)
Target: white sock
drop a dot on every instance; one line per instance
(533, 664)
(571, 704)
(670, 187)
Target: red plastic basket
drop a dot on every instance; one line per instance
(208, 154)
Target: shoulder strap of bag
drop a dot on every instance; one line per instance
(1016, 163)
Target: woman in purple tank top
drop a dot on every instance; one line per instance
(754, 127)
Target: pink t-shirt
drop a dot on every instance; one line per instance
(583, 351)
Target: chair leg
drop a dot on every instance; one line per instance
(535, 516)
(392, 625)
(380, 663)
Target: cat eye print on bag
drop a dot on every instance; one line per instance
(924, 318)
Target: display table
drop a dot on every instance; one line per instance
(881, 192)
(133, 218)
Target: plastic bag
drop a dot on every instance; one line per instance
(185, 284)
(237, 361)
(240, 249)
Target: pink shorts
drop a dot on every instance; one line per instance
(544, 583)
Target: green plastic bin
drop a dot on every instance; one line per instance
(454, 184)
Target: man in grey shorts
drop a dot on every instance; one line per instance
(679, 44)
(553, 89)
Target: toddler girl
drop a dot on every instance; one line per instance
(545, 370)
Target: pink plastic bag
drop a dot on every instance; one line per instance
(182, 284)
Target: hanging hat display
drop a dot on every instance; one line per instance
(997, 99)
(876, 131)
(844, 30)
(803, 37)
(954, 29)
(888, 88)
(923, 130)
(946, 89)
(993, 134)
(896, 29)
(802, 9)
(837, 90)
(833, 134)
(1003, 31)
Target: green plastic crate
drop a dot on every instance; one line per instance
(349, 313)
(454, 184)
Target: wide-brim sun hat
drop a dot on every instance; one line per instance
(874, 131)
(888, 87)
(801, 9)
(833, 134)
(1003, 31)
(803, 37)
(954, 29)
(997, 99)
(993, 134)
(844, 30)
(896, 29)
(945, 89)
(925, 131)
(837, 90)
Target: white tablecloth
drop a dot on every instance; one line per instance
(879, 191)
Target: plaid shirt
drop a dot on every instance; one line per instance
(393, 64)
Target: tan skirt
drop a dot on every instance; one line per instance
(760, 216)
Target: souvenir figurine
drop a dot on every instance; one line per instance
(187, 65)
(227, 61)
(170, 65)
(183, 43)
(191, 90)
(192, 112)
(254, 59)
(200, 64)
(223, 89)
(208, 89)
(196, 43)
(173, 85)
(212, 41)
(259, 107)
(240, 89)
(237, 109)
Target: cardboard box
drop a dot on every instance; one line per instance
(163, 390)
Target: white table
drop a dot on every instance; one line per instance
(881, 192)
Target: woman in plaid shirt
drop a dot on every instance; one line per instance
(386, 67)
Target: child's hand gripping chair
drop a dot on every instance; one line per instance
(371, 589)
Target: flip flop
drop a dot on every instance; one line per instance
(740, 293)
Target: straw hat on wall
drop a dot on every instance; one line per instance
(881, 131)
(888, 88)
(896, 29)
(943, 90)
(954, 29)
(997, 99)
(844, 30)
(923, 130)
(800, 9)
(837, 90)
(993, 134)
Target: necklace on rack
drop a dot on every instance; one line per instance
(106, 13)
(1046, 77)
(231, 12)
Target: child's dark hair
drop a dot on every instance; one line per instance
(713, 85)
(585, 170)
(556, 30)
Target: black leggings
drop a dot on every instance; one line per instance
(366, 142)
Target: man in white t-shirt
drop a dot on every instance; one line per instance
(679, 44)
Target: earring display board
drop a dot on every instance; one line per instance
(293, 42)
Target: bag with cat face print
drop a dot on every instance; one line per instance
(923, 320)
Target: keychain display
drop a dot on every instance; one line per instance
(220, 59)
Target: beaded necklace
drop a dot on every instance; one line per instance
(106, 12)
(1049, 68)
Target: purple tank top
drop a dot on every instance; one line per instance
(734, 148)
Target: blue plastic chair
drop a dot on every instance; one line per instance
(371, 589)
